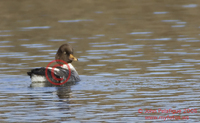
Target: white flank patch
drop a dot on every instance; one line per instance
(36, 78)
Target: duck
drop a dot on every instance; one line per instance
(64, 71)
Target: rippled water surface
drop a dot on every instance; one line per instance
(133, 56)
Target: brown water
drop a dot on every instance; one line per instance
(133, 54)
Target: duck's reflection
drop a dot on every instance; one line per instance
(60, 104)
(48, 84)
(62, 91)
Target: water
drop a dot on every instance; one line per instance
(133, 56)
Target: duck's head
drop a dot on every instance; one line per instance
(65, 53)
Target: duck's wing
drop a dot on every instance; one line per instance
(41, 72)
(61, 72)
(65, 73)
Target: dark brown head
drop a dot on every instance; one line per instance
(65, 53)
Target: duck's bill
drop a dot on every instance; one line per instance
(71, 57)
